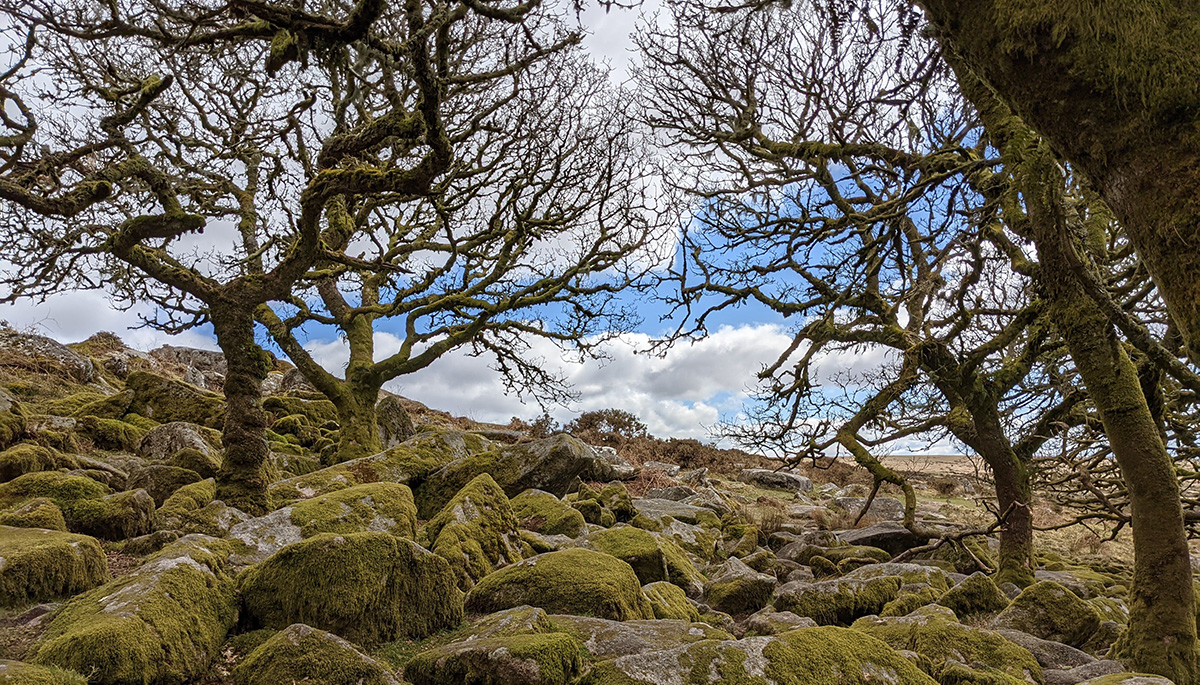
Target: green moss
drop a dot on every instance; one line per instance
(476, 532)
(1051, 612)
(837, 554)
(669, 601)
(636, 547)
(744, 539)
(111, 434)
(837, 601)
(317, 412)
(17, 673)
(69, 405)
(190, 498)
(139, 421)
(59, 488)
(615, 498)
(811, 656)
(940, 639)
(300, 654)
(591, 511)
(909, 602)
(367, 587)
(163, 623)
(298, 426)
(36, 513)
(573, 581)
(386, 507)
(518, 659)
(680, 569)
(963, 563)
(37, 565)
(646, 523)
(822, 567)
(203, 464)
(25, 458)
(166, 400)
(115, 517)
(111, 407)
(977, 594)
(542, 512)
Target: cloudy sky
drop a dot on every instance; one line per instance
(683, 393)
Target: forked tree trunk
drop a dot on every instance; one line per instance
(358, 419)
(242, 478)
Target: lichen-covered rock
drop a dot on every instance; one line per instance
(19, 460)
(395, 425)
(407, 463)
(18, 673)
(908, 602)
(35, 513)
(660, 509)
(606, 639)
(636, 547)
(941, 640)
(882, 508)
(977, 594)
(161, 481)
(12, 419)
(476, 532)
(612, 498)
(314, 406)
(735, 588)
(536, 659)
(889, 536)
(302, 654)
(542, 512)
(374, 507)
(551, 464)
(911, 574)
(696, 540)
(1051, 655)
(1128, 679)
(204, 464)
(367, 587)
(802, 553)
(166, 400)
(767, 621)
(778, 480)
(669, 601)
(571, 581)
(37, 565)
(810, 656)
(1051, 612)
(29, 351)
(163, 623)
(59, 488)
(166, 439)
(838, 601)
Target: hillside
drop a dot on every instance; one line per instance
(481, 553)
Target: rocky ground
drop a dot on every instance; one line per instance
(470, 554)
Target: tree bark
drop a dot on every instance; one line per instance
(359, 433)
(1114, 87)
(242, 479)
(1013, 494)
(1161, 637)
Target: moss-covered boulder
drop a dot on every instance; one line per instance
(18, 673)
(476, 532)
(12, 419)
(37, 565)
(1051, 612)
(302, 654)
(910, 574)
(542, 512)
(35, 513)
(395, 425)
(166, 400)
(161, 481)
(669, 601)
(942, 641)
(163, 623)
(407, 463)
(977, 594)
(572, 581)
(367, 587)
(19, 460)
(767, 621)
(607, 639)
(314, 407)
(636, 547)
(534, 659)
(204, 464)
(810, 656)
(85, 504)
(551, 464)
(175, 511)
(374, 507)
(735, 588)
(839, 601)
(111, 434)
(908, 602)
(168, 438)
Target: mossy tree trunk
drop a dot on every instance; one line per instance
(1161, 637)
(1113, 86)
(242, 479)
(1013, 494)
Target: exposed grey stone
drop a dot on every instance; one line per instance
(778, 480)
(884, 508)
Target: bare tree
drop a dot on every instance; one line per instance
(201, 156)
